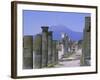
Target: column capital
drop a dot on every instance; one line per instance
(44, 28)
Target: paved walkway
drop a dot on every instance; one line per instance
(72, 61)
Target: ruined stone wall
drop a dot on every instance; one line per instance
(27, 52)
(37, 51)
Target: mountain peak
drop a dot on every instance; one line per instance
(59, 29)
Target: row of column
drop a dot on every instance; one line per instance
(42, 50)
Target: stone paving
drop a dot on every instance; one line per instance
(72, 61)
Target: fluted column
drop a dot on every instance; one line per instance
(49, 48)
(44, 46)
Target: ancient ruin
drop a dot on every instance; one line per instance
(42, 51)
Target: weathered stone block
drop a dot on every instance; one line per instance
(27, 52)
(37, 51)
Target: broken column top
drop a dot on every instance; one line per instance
(87, 18)
(87, 23)
(45, 28)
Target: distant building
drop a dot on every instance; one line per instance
(65, 46)
(60, 50)
(74, 47)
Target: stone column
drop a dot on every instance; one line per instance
(37, 51)
(27, 52)
(49, 48)
(86, 51)
(65, 42)
(55, 53)
(44, 46)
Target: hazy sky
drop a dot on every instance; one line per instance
(33, 20)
